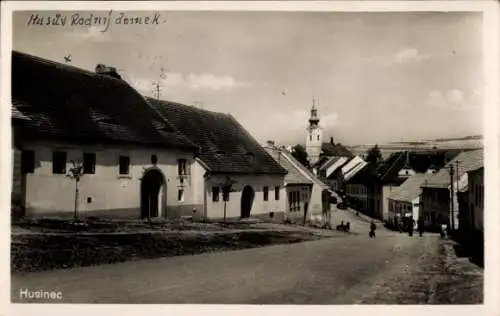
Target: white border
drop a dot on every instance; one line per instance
(491, 140)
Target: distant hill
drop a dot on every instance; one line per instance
(458, 143)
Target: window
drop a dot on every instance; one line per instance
(59, 162)
(215, 194)
(180, 195)
(89, 163)
(277, 193)
(225, 193)
(310, 137)
(124, 164)
(317, 137)
(27, 161)
(266, 193)
(181, 167)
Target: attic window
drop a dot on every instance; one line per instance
(101, 117)
(219, 153)
(250, 157)
(159, 126)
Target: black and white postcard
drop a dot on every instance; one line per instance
(265, 154)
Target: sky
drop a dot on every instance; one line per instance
(378, 77)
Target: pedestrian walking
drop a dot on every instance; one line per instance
(420, 226)
(373, 227)
(443, 230)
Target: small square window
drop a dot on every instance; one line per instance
(124, 164)
(27, 161)
(266, 193)
(59, 162)
(277, 193)
(89, 163)
(180, 195)
(215, 194)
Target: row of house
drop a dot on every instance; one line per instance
(408, 184)
(141, 157)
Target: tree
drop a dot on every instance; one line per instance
(300, 153)
(227, 188)
(374, 155)
(75, 173)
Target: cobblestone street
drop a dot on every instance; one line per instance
(430, 275)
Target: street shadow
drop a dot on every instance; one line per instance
(474, 255)
(461, 251)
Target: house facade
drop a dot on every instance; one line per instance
(442, 191)
(298, 188)
(404, 201)
(475, 215)
(133, 163)
(433, 200)
(240, 179)
(339, 178)
(359, 189)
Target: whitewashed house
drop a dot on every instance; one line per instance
(404, 201)
(234, 176)
(440, 202)
(307, 195)
(131, 156)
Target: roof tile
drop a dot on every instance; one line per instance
(225, 146)
(66, 103)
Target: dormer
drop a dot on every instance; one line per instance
(407, 170)
(250, 157)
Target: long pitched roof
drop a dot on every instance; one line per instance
(294, 175)
(329, 162)
(410, 189)
(467, 160)
(64, 103)
(388, 171)
(311, 176)
(225, 146)
(329, 149)
(366, 175)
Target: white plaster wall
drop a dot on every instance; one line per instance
(416, 210)
(386, 192)
(257, 182)
(48, 192)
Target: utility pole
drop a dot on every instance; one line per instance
(157, 87)
(451, 198)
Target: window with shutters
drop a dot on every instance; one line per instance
(27, 161)
(124, 165)
(215, 194)
(266, 193)
(59, 162)
(181, 167)
(89, 163)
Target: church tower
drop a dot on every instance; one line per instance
(314, 136)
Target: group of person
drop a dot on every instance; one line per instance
(410, 224)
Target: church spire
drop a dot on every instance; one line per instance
(314, 118)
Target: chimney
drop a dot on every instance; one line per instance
(106, 70)
(331, 141)
(270, 143)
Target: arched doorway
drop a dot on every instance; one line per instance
(247, 197)
(152, 193)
